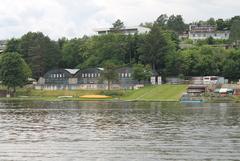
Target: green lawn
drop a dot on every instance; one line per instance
(148, 93)
(156, 93)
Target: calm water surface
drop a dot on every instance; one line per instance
(123, 131)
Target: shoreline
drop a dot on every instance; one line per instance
(153, 93)
(56, 99)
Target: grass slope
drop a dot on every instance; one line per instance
(156, 93)
(148, 93)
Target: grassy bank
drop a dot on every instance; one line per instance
(148, 93)
(156, 93)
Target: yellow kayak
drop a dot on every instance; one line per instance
(95, 96)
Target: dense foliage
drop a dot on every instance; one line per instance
(159, 49)
(14, 71)
(109, 74)
(41, 53)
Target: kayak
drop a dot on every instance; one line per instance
(95, 96)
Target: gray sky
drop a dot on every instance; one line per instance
(74, 18)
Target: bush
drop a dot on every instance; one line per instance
(112, 93)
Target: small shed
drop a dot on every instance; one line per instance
(196, 89)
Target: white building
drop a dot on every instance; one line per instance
(204, 32)
(3, 44)
(125, 30)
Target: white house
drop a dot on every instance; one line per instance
(205, 31)
(125, 30)
(3, 44)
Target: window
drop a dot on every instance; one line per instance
(54, 75)
(82, 75)
(122, 75)
(92, 75)
(129, 75)
(99, 75)
(126, 75)
(63, 75)
(89, 75)
(85, 75)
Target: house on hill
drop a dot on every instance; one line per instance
(125, 30)
(202, 32)
(3, 45)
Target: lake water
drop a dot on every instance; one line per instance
(124, 131)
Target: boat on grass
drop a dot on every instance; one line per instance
(95, 96)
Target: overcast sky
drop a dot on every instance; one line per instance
(75, 18)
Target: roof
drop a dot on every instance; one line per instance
(197, 86)
(102, 69)
(72, 71)
(123, 29)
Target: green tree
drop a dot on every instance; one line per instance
(109, 73)
(13, 45)
(211, 22)
(176, 24)
(72, 53)
(157, 44)
(147, 24)
(141, 73)
(210, 41)
(118, 25)
(235, 31)
(231, 67)
(162, 20)
(221, 24)
(117, 48)
(14, 71)
(39, 52)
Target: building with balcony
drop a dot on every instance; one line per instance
(202, 32)
(125, 30)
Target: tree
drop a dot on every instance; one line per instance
(235, 32)
(176, 24)
(210, 41)
(13, 45)
(117, 48)
(147, 24)
(39, 52)
(118, 25)
(14, 71)
(231, 67)
(157, 44)
(141, 73)
(109, 73)
(221, 24)
(72, 54)
(211, 22)
(162, 20)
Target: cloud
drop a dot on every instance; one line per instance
(74, 18)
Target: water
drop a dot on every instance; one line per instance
(102, 131)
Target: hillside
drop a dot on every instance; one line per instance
(156, 93)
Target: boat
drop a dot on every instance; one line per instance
(186, 98)
(95, 96)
